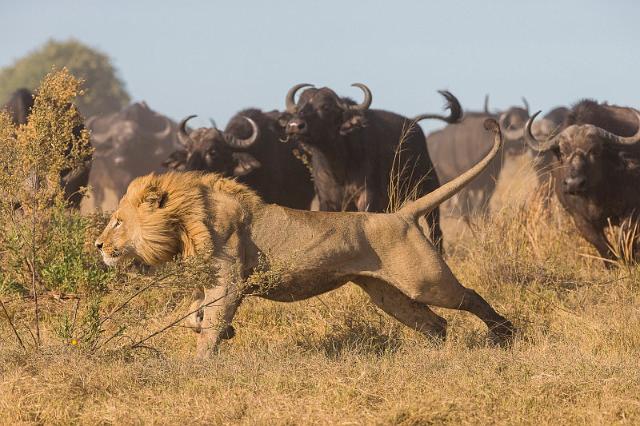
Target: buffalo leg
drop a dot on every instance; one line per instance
(595, 236)
(411, 313)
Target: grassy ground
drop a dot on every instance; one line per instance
(335, 359)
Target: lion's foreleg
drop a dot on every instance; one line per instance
(218, 308)
(219, 305)
(194, 321)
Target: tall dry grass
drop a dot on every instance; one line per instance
(336, 359)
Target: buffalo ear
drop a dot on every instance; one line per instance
(283, 119)
(176, 161)
(154, 197)
(352, 121)
(245, 163)
(628, 161)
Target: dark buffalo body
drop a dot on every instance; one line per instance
(19, 105)
(72, 180)
(457, 147)
(129, 143)
(355, 151)
(251, 149)
(596, 169)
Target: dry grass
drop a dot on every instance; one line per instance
(336, 359)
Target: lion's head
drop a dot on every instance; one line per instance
(162, 216)
(149, 222)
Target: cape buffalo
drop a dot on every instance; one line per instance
(129, 143)
(596, 167)
(250, 149)
(550, 123)
(72, 180)
(19, 105)
(458, 146)
(363, 159)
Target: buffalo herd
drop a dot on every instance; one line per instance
(329, 152)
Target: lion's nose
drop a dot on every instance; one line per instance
(99, 245)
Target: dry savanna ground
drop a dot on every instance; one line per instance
(336, 359)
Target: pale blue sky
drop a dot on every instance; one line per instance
(214, 58)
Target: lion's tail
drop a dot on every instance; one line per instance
(432, 200)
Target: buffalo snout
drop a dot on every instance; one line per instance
(296, 127)
(575, 184)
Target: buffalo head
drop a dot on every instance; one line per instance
(512, 122)
(582, 153)
(213, 150)
(323, 114)
(19, 105)
(122, 136)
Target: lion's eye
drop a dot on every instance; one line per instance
(117, 223)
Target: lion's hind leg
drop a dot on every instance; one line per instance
(449, 293)
(409, 312)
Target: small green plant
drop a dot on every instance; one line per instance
(41, 240)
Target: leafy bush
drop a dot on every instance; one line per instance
(42, 241)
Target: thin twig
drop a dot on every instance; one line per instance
(13, 327)
(113, 336)
(173, 323)
(75, 316)
(33, 337)
(126, 302)
(33, 258)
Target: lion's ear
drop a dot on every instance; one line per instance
(154, 197)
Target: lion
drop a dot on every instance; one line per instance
(386, 254)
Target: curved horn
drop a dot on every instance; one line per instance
(453, 105)
(510, 134)
(243, 143)
(533, 143)
(183, 136)
(164, 133)
(526, 104)
(368, 98)
(290, 101)
(622, 140)
(544, 127)
(486, 104)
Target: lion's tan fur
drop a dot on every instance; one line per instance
(185, 222)
(387, 255)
